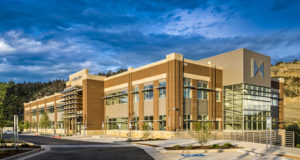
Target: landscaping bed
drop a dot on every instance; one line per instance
(143, 140)
(8, 153)
(191, 147)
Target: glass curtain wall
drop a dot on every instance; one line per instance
(246, 107)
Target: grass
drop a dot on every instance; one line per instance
(176, 147)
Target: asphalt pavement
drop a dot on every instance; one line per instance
(78, 150)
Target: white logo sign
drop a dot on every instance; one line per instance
(257, 68)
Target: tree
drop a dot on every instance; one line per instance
(202, 132)
(278, 63)
(44, 121)
(3, 122)
(21, 126)
(26, 124)
(295, 61)
(111, 73)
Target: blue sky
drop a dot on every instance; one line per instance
(47, 40)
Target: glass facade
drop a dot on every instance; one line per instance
(246, 107)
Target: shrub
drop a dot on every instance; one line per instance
(226, 145)
(298, 145)
(25, 145)
(215, 146)
(203, 131)
(176, 146)
(189, 147)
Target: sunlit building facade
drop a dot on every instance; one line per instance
(231, 91)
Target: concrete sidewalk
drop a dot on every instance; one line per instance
(247, 146)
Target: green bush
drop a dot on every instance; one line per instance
(227, 145)
(298, 145)
(189, 147)
(215, 146)
(176, 146)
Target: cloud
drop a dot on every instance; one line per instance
(52, 39)
(5, 48)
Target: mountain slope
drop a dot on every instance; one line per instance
(290, 71)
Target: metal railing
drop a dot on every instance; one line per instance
(280, 137)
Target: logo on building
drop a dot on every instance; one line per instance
(255, 69)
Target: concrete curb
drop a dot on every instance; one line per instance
(23, 154)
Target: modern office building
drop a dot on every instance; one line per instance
(232, 91)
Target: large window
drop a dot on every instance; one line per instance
(246, 107)
(148, 123)
(186, 89)
(162, 122)
(116, 97)
(148, 91)
(162, 88)
(201, 90)
(120, 123)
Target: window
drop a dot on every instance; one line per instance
(50, 109)
(116, 97)
(186, 93)
(202, 94)
(135, 124)
(218, 96)
(148, 123)
(201, 84)
(41, 111)
(136, 94)
(186, 122)
(186, 89)
(136, 97)
(162, 90)
(186, 82)
(120, 123)
(123, 99)
(33, 112)
(148, 92)
(162, 122)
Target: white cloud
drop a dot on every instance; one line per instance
(5, 48)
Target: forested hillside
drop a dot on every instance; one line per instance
(13, 95)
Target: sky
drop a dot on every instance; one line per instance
(47, 40)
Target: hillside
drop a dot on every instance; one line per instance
(13, 95)
(290, 71)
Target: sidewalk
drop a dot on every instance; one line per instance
(251, 147)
